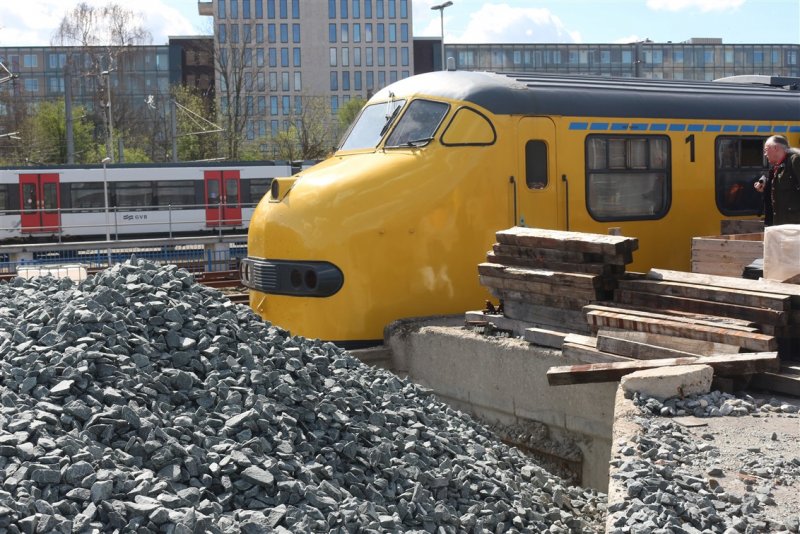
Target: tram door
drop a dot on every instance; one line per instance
(539, 192)
(39, 202)
(223, 198)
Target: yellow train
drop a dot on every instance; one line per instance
(394, 223)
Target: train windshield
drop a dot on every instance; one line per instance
(373, 122)
(418, 124)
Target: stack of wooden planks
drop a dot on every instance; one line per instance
(546, 277)
(726, 255)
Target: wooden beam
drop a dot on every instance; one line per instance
(556, 299)
(740, 297)
(783, 382)
(748, 340)
(763, 286)
(692, 346)
(603, 269)
(542, 276)
(572, 241)
(678, 317)
(587, 354)
(704, 307)
(726, 365)
(636, 349)
(545, 337)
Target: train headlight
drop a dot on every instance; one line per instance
(298, 278)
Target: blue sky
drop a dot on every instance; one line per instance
(31, 22)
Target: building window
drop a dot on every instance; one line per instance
(392, 9)
(56, 85)
(271, 9)
(335, 104)
(273, 106)
(345, 57)
(220, 9)
(333, 57)
(298, 81)
(403, 9)
(285, 81)
(245, 9)
(286, 104)
(368, 58)
(31, 85)
(57, 61)
(393, 57)
(367, 9)
(295, 9)
(248, 37)
(346, 80)
(259, 9)
(331, 33)
(404, 33)
(234, 9)
(273, 57)
(404, 56)
(368, 33)
(381, 57)
(356, 9)
(370, 80)
(627, 177)
(356, 57)
(379, 9)
(284, 33)
(273, 81)
(261, 80)
(248, 57)
(222, 34)
(30, 61)
(296, 57)
(331, 9)
(381, 78)
(284, 9)
(381, 37)
(356, 33)
(260, 57)
(344, 33)
(295, 33)
(357, 80)
(392, 33)
(259, 33)
(284, 57)
(272, 36)
(343, 9)
(334, 81)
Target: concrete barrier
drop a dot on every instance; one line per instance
(504, 380)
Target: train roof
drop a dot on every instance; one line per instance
(548, 94)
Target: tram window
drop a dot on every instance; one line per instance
(50, 196)
(175, 193)
(258, 188)
(536, 164)
(739, 163)
(86, 195)
(418, 123)
(232, 193)
(133, 194)
(628, 177)
(468, 127)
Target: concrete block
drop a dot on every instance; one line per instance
(665, 382)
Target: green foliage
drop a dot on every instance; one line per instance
(348, 113)
(194, 118)
(45, 133)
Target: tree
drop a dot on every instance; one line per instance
(45, 135)
(309, 135)
(233, 62)
(348, 113)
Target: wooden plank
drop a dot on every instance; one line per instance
(748, 340)
(708, 320)
(719, 268)
(742, 226)
(693, 346)
(602, 269)
(705, 307)
(578, 339)
(762, 286)
(572, 241)
(525, 287)
(786, 384)
(565, 300)
(546, 316)
(725, 365)
(542, 276)
(741, 297)
(587, 354)
(636, 349)
(540, 254)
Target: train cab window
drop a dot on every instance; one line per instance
(536, 164)
(739, 163)
(175, 193)
(371, 125)
(87, 195)
(418, 124)
(133, 194)
(627, 177)
(469, 127)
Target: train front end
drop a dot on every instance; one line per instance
(391, 226)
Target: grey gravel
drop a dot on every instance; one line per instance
(140, 401)
(675, 482)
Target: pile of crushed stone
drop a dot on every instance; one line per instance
(139, 400)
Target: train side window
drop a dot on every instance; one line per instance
(739, 163)
(87, 195)
(627, 177)
(5, 198)
(536, 164)
(133, 194)
(258, 188)
(469, 127)
(175, 193)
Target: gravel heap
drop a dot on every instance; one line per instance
(141, 401)
(673, 480)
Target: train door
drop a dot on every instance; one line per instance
(539, 194)
(39, 202)
(223, 198)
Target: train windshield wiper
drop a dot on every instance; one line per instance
(389, 120)
(418, 142)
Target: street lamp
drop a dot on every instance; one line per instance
(110, 143)
(105, 197)
(440, 8)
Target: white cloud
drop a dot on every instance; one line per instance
(703, 5)
(33, 22)
(629, 39)
(502, 23)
